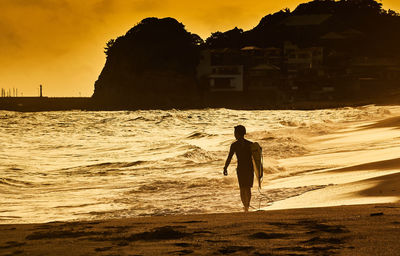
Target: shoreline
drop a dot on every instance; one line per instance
(341, 230)
(41, 104)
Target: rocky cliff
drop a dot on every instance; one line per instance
(153, 64)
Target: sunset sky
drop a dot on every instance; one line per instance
(59, 43)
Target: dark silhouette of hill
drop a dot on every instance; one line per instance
(154, 62)
(310, 21)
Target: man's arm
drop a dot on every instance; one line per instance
(228, 160)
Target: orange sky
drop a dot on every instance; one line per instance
(59, 43)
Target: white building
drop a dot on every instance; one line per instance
(226, 78)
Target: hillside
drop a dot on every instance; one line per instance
(154, 64)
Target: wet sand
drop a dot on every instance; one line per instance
(342, 230)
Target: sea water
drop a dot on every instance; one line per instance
(79, 165)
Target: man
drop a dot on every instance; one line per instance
(242, 148)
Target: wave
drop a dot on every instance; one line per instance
(281, 144)
(159, 185)
(273, 169)
(184, 184)
(15, 183)
(393, 122)
(15, 169)
(189, 156)
(119, 164)
(164, 117)
(211, 182)
(140, 118)
(197, 135)
(102, 169)
(292, 123)
(199, 155)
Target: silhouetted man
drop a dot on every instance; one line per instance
(245, 174)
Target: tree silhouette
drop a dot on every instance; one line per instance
(109, 45)
(232, 39)
(156, 54)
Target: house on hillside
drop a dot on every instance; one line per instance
(221, 70)
(371, 75)
(302, 59)
(274, 56)
(253, 56)
(226, 78)
(342, 39)
(263, 77)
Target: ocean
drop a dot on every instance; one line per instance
(81, 165)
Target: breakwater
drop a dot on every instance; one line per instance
(238, 101)
(45, 103)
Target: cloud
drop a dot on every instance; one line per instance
(143, 6)
(48, 35)
(9, 38)
(42, 4)
(103, 7)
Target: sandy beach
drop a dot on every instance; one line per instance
(334, 188)
(344, 230)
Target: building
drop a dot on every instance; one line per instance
(226, 78)
(259, 69)
(263, 77)
(299, 59)
(220, 70)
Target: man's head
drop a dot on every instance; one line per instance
(240, 131)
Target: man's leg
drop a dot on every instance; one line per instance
(245, 195)
(248, 196)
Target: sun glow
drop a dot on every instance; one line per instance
(60, 43)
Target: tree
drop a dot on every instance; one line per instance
(229, 39)
(109, 46)
(154, 55)
(368, 7)
(392, 13)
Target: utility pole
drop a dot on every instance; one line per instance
(41, 90)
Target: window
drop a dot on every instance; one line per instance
(222, 83)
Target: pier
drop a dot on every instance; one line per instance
(30, 104)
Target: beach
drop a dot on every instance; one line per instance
(331, 183)
(135, 127)
(345, 230)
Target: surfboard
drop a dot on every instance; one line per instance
(256, 156)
